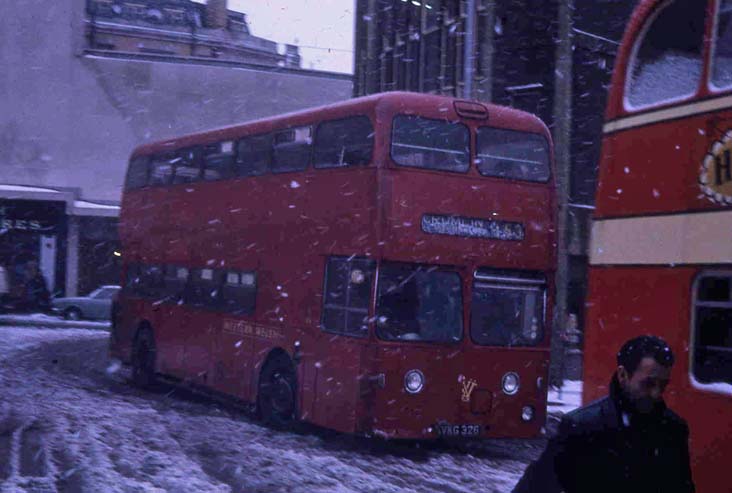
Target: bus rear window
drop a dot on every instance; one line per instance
(431, 144)
(506, 314)
(419, 303)
(512, 154)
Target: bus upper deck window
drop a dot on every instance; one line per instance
(137, 173)
(344, 142)
(722, 61)
(161, 169)
(432, 144)
(666, 63)
(291, 150)
(187, 166)
(254, 155)
(512, 154)
(218, 161)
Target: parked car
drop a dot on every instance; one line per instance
(96, 305)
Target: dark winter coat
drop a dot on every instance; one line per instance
(595, 451)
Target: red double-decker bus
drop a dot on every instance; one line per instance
(382, 266)
(661, 249)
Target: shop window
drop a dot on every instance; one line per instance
(343, 142)
(712, 329)
(722, 60)
(239, 292)
(254, 155)
(667, 61)
(218, 161)
(292, 149)
(348, 284)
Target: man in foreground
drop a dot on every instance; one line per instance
(626, 442)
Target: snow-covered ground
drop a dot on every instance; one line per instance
(70, 422)
(566, 398)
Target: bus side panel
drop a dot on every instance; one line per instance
(656, 168)
(628, 302)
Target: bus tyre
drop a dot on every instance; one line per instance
(277, 392)
(143, 359)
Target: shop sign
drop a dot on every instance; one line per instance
(24, 215)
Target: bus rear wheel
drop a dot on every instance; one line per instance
(277, 392)
(143, 359)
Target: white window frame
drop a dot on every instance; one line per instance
(627, 105)
(716, 387)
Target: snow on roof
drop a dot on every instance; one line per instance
(86, 208)
(24, 188)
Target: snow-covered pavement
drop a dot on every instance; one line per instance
(69, 422)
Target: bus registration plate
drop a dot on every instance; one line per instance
(448, 430)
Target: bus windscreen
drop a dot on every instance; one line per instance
(506, 315)
(418, 303)
(512, 154)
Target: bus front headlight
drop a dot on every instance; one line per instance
(527, 413)
(510, 383)
(413, 381)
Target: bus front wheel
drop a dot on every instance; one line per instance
(143, 359)
(277, 392)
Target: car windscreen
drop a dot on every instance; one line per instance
(512, 154)
(418, 303)
(432, 144)
(504, 314)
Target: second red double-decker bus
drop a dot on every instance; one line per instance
(661, 253)
(381, 266)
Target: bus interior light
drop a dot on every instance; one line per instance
(414, 381)
(510, 383)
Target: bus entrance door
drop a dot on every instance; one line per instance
(337, 376)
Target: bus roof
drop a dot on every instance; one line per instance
(381, 104)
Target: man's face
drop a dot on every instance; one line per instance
(645, 386)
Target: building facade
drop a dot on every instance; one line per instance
(73, 112)
(180, 28)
